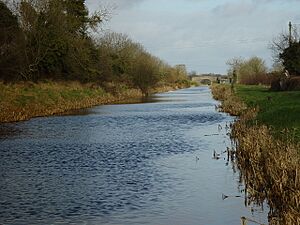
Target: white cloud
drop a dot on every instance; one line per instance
(205, 33)
(117, 4)
(233, 9)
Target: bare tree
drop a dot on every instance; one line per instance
(282, 42)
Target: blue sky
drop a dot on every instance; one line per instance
(203, 34)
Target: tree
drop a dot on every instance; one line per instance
(251, 71)
(291, 58)
(285, 48)
(57, 42)
(11, 44)
(234, 65)
(77, 16)
(51, 39)
(145, 74)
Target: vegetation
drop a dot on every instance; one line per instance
(269, 166)
(266, 135)
(54, 42)
(22, 101)
(279, 110)
(53, 39)
(286, 51)
(251, 71)
(285, 74)
(291, 58)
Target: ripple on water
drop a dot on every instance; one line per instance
(102, 167)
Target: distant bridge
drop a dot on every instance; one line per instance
(205, 79)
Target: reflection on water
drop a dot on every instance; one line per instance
(146, 163)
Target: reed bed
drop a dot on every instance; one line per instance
(26, 100)
(230, 102)
(270, 167)
(23, 101)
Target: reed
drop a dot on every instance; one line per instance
(270, 167)
(23, 101)
(230, 102)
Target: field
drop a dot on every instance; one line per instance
(280, 110)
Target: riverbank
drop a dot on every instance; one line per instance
(279, 110)
(269, 165)
(26, 100)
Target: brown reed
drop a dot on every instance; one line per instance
(269, 167)
(26, 100)
(23, 101)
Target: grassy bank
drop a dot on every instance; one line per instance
(270, 166)
(279, 110)
(23, 101)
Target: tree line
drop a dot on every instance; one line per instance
(55, 39)
(286, 68)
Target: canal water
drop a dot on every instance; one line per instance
(144, 163)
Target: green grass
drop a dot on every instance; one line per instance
(280, 110)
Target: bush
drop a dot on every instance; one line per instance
(252, 71)
(285, 84)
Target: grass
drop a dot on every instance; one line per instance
(269, 166)
(278, 110)
(23, 101)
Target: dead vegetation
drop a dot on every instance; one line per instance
(23, 101)
(230, 103)
(269, 167)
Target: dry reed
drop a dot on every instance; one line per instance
(269, 167)
(23, 101)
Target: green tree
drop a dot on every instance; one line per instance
(11, 45)
(291, 58)
(145, 74)
(76, 16)
(57, 42)
(118, 56)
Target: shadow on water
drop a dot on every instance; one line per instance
(156, 98)
(8, 130)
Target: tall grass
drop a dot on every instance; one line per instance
(270, 167)
(26, 100)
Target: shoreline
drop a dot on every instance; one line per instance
(23, 101)
(269, 166)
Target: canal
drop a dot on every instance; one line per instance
(144, 163)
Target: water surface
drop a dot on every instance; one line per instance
(146, 163)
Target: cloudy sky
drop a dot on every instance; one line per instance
(203, 34)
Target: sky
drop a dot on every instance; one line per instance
(202, 34)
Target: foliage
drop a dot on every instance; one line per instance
(286, 51)
(11, 44)
(291, 58)
(51, 39)
(145, 74)
(251, 71)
